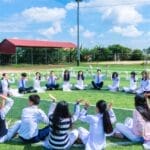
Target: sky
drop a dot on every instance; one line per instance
(102, 22)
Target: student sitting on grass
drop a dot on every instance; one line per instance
(116, 82)
(133, 84)
(51, 85)
(37, 82)
(22, 85)
(61, 135)
(145, 83)
(5, 83)
(80, 81)
(6, 134)
(98, 80)
(140, 130)
(66, 81)
(30, 118)
(100, 125)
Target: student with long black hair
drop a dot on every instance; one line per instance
(115, 82)
(66, 81)
(100, 125)
(145, 83)
(133, 83)
(80, 81)
(5, 82)
(140, 130)
(37, 82)
(61, 137)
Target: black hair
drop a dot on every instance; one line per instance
(102, 107)
(80, 76)
(35, 99)
(146, 73)
(39, 78)
(133, 74)
(114, 75)
(4, 74)
(142, 107)
(51, 71)
(61, 112)
(24, 74)
(98, 70)
(66, 75)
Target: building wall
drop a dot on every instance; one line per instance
(7, 48)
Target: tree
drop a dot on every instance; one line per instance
(120, 52)
(137, 54)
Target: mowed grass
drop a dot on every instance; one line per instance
(120, 100)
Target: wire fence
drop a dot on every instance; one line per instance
(65, 57)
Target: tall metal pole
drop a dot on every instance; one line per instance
(78, 33)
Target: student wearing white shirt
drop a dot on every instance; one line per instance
(133, 84)
(30, 118)
(98, 80)
(80, 81)
(116, 82)
(5, 83)
(100, 125)
(22, 85)
(66, 81)
(52, 82)
(145, 83)
(37, 82)
(6, 133)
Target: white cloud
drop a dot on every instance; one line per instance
(122, 15)
(129, 31)
(44, 14)
(119, 11)
(83, 32)
(56, 28)
(88, 34)
(71, 5)
(73, 30)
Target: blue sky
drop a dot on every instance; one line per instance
(102, 22)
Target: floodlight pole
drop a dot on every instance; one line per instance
(78, 32)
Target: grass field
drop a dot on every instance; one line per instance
(123, 103)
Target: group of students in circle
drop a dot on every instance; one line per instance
(97, 83)
(59, 133)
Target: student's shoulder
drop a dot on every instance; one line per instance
(40, 111)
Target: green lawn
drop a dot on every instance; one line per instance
(120, 100)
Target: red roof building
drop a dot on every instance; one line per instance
(8, 46)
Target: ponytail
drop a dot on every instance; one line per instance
(102, 107)
(108, 128)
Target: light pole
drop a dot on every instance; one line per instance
(78, 32)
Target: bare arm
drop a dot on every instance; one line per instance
(6, 105)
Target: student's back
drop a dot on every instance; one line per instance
(59, 139)
(30, 118)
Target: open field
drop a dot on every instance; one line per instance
(123, 103)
